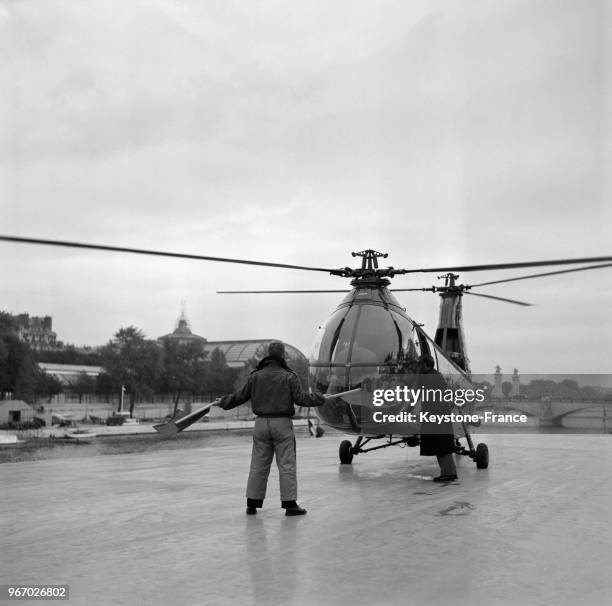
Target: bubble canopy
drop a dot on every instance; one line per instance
(369, 334)
(368, 328)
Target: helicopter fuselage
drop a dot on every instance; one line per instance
(370, 340)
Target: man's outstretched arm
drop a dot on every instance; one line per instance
(237, 398)
(300, 398)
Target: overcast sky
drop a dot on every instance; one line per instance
(439, 132)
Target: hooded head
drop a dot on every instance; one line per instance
(276, 353)
(276, 350)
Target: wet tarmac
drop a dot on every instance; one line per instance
(41, 449)
(168, 527)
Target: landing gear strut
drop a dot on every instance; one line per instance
(480, 454)
(348, 450)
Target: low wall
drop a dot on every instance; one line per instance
(132, 429)
(144, 410)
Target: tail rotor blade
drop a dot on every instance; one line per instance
(548, 273)
(474, 294)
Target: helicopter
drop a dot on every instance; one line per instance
(369, 335)
(370, 340)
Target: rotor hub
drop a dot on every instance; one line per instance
(450, 285)
(369, 272)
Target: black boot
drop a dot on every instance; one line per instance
(252, 505)
(446, 478)
(292, 508)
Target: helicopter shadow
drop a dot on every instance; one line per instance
(416, 477)
(413, 472)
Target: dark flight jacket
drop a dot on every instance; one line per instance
(273, 391)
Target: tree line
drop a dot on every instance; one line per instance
(20, 374)
(142, 367)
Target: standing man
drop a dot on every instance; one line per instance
(437, 439)
(273, 389)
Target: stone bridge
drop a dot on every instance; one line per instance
(548, 412)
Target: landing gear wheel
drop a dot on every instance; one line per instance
(482, 456)
(346, 452)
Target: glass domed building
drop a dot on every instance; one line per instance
(237, 352)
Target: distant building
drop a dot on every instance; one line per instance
(36, 332)
(69, 373)
(182, 333)
(237, 353)
(15, 411)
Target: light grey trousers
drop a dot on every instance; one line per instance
(273, 436)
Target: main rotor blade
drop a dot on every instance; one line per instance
(431, 289)
(261, 292)
(157, 253)
(475, 294)
(548, 273)
(464, 268)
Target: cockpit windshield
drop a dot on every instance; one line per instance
(365, 335)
